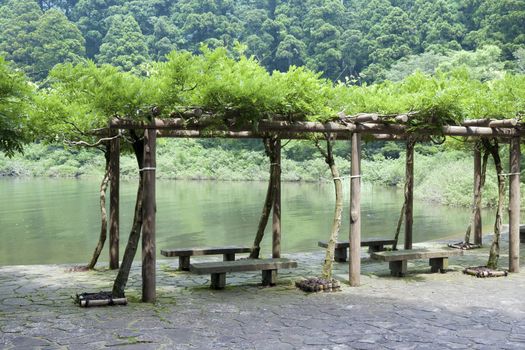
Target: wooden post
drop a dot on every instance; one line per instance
(148, 226)
(514, 206)
(276, 218)
(476, 224)
(114, 165)
(409, 193)
(354, 271)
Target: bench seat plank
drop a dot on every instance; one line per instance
(205, 251)
(242, 265)
(424, 253)
(364, 243)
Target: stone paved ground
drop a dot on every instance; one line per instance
(421, 311)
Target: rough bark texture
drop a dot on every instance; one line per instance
(398, 228)
(354, 263)
(276, 218)
(103, 217)
(479, 183)
(114, 205)
(149, 257)
(409, 193)
(495, 246)
(121, 280)
(269, 145)
(338, 211)
(514, 206)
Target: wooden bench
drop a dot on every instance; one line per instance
(218, 270)
(438, 259)
(373, 244)
(184, 254)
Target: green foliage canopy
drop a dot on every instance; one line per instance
(15, 99)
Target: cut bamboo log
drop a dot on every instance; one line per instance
(503, 123)
(476, 122)
(104, 302)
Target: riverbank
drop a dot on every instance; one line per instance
(441, 176)
(421, 311)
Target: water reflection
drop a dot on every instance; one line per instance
(57, 220)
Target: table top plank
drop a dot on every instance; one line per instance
(364, 243)
(205, 251)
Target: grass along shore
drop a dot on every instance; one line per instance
(443, 177)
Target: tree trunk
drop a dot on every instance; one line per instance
(399, 223)
(495, 248)
(269, 145)
(478, 195)
(121, 280)
(103, 216)
(338, 211)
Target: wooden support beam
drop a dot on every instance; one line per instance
(148, 210)
(503, 123)
(354, 271)
(316, 127)
(114, 173)
(276, 211)
(476, 122)
(514, 206)
(476, 224)
(409, 193)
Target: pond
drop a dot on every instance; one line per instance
(47, 221)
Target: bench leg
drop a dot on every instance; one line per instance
(375, 248)
(228, 257)
(398, 268)
(184, 263)
(218, 280)
(438, 264)
(269, 277)
(340, 254)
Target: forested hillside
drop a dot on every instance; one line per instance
(358, 40)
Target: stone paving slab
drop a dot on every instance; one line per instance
(421, 311)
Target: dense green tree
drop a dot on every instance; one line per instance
(37, 41)
(18, 22)
(124, 45)
(15, 95)
(91, 17)
(58, 41)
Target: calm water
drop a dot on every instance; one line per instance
(57, 221)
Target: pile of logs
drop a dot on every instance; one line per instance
(99, 299)
(318, 285)
(483, 272)
(464, 245)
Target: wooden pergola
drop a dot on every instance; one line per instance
(195, 124)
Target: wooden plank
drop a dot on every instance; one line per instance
(425, 253)
(149, 215)
(114, 195)
(242, 266)
(354, 268)
(365, 243)
(514, 206)
(276, 210)
(204, 251)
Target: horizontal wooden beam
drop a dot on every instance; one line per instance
(334, 128)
